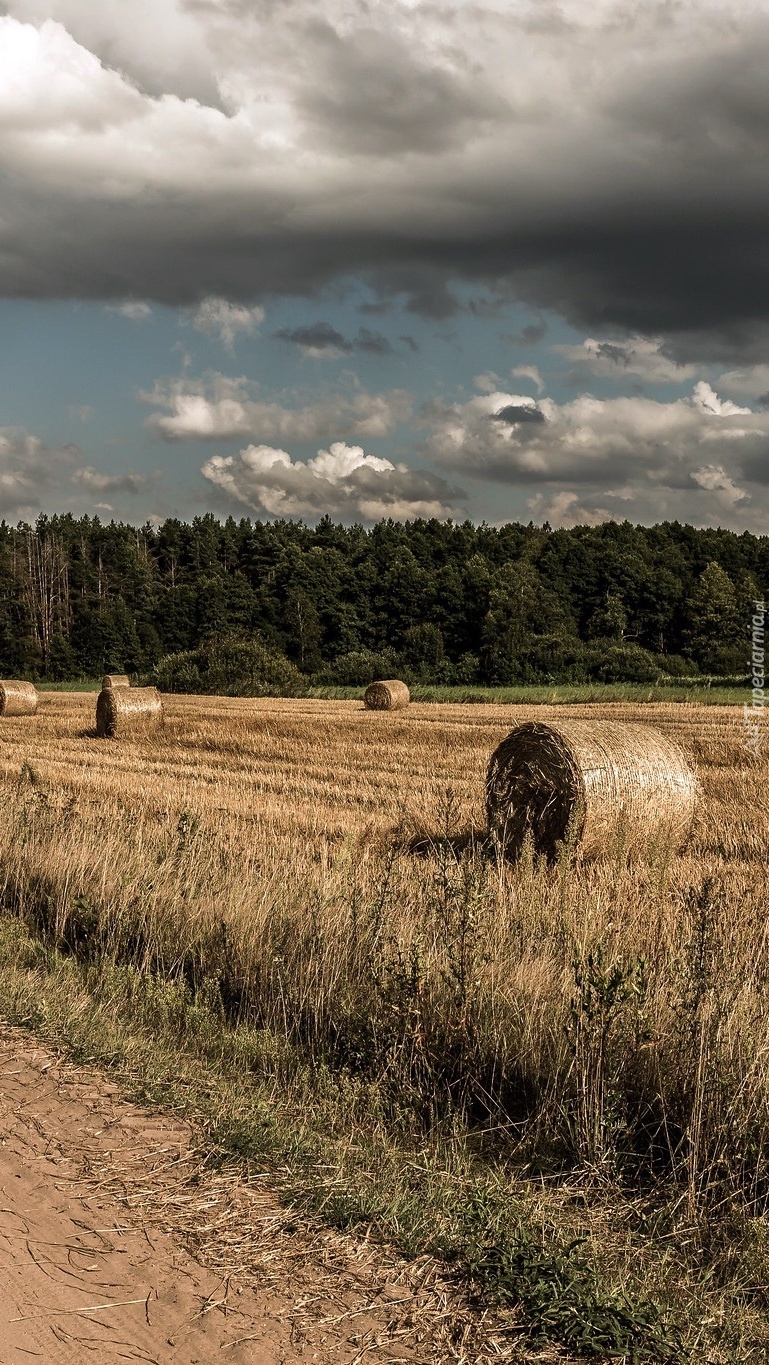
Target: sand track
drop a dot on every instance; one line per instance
(68, 1146)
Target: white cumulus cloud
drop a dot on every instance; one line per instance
(342, 481)
(707, 398)
(695, 457)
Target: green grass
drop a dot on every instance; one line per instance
(77, 685)
(718, 692)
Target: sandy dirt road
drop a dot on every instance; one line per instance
(89, 1271)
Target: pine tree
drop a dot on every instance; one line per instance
(713, 626)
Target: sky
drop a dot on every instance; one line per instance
(412, 258)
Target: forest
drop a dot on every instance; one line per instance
(434, 601)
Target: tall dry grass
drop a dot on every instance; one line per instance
(321, 871)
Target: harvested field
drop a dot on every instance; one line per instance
(306, 882)
(296, 764)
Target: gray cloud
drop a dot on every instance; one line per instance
(647, 358)
(34, 475)
(604, 161)
(226, 320)
(320, 339)
(513, 414)
(219, 408)
(530, 335)
(373, 96)
(30, 469)
(96, 482)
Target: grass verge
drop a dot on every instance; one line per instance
(78, 685)
(562, 1264)
(714, 693)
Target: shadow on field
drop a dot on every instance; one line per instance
(90, 733)
(421, 845)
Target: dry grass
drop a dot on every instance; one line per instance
(320, 869)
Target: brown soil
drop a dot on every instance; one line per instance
(102, 1204)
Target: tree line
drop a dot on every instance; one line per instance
(433, 601)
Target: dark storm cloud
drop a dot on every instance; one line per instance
(605, 161)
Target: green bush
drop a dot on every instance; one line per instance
(621, 663)
(358, 668)
(179, 672)
(676, 666)
(553, 658)
(230, 666)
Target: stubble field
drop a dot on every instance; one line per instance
(484, 1062)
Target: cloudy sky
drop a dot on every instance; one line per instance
(505, 259)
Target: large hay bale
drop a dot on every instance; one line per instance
(17, 698)
(115, 680)
(390, 695)
(127, 710)
(588, 783)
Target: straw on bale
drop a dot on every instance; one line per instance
(17, 699)
(115, 680)
(126, 710)
(588, 783)
(390, 695)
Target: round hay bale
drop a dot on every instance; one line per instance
(588, 783)
(115, 680)
(17, 699)
(127, 710)
(390, 695)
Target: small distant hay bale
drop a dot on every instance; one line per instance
(390, 695)
(127, 710)
(17, 698)
(115, 680)
(588, 784)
